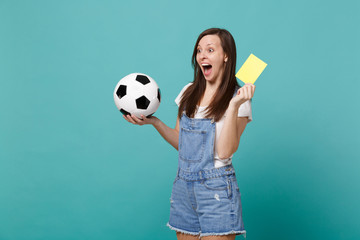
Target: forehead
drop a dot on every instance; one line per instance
(209, 39)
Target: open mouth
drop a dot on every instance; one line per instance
(207, 69)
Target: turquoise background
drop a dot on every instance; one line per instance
(72, 168)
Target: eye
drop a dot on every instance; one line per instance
(211, 50)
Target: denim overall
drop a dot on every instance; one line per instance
(205, 200)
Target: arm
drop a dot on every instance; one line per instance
(169, 134)
(229, 138)
(234, 126)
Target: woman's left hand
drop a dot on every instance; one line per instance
(244, 93)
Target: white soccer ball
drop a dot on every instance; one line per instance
(137, 94)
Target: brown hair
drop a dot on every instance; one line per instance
(193, 94)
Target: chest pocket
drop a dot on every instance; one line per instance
(192, 145)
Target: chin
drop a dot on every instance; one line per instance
(210, 78)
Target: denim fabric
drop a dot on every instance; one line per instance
(205, 200)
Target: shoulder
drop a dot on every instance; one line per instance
(178, 98)
(185, 87)
(245, 110)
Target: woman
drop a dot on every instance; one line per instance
(213, 113)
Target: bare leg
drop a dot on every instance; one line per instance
(225, 237)
(182, 236)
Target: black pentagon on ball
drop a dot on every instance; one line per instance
(159, 95)
(142, 102)
(142, 79)
(121, 91)
(124, 112)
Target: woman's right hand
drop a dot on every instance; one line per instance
(137, 121)
(169, 134)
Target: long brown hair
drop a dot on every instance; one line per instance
(193, 94)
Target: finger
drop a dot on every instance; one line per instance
(253, 89)
(249, 84)
(137, 120)
(131, 119)
(241, 92)
(245, 92)
(144, 119)
(249, 91)
(125, 118)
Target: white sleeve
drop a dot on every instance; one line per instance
(178, 98)
(245, 110)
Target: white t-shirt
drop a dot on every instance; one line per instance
(244, 111)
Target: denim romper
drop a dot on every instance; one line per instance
(205, 200)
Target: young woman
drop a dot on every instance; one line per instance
(213, 113)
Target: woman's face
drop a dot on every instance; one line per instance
(211, 57)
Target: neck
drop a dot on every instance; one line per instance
(212, 86)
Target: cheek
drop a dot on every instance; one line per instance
(218, 61)
(197, 60)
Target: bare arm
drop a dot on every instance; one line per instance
(234, 126)
(169, 134)
(231, 132)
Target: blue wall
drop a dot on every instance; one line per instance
(72, 168)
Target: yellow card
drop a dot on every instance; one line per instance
(251, 69)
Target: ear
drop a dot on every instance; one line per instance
(225, 58)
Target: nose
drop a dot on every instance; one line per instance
(202, 55)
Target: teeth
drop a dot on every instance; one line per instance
(205, 64)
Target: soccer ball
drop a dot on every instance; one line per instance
(137, 94)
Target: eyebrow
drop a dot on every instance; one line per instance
(207, 44)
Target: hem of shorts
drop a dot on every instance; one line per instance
(182, 231)
(243, 232)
